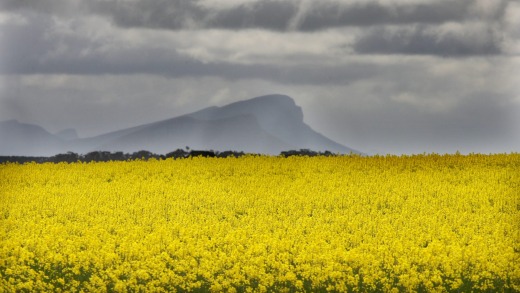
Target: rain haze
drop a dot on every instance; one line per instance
(406, 76)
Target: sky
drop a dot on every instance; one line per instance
(386, 76)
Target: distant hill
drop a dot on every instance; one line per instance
(67, 134)
(28, 140)
(267, 124)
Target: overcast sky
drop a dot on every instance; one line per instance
(385, 76)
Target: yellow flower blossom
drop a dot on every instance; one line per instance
(433, 222)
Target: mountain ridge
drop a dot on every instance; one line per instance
(266, 124)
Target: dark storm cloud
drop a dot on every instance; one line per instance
(268, 14)
(32, 49)
(21, 46)
(55, 7)
(283, 15)
(29, 48)
(166, 14)
(181, 14)
(417, 23)
(422, 40)
(278, 15)
(373, 13)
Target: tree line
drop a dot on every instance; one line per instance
(106, 156)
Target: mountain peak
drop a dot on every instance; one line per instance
(272, 98)
(271, 111)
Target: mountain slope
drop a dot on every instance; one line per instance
(67, 134)
(234, 133)
(28, 140)
(279, 116)
(267, 124)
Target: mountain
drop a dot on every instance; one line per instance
(279, 116)
(28, 140)
(67, 134)
(267, 124)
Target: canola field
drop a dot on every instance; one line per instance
(263, 224)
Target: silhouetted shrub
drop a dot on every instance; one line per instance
(69, 157)
(97, 156)
(226, 154)
(119, 156)
(104, 156)
(22, 159)
(142, 155)
(305, 152)
(196, 153)
(178, 153)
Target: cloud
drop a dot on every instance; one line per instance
(88, 46)
(277, 15)
(402, 105)
(446, 40)
(177, 66)
(366, 73)
(165, 14)
(54, 7)
(444, 28)
(298, 15)
(375, 122)
(337, 14)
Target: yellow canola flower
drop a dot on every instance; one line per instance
(433, 223)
